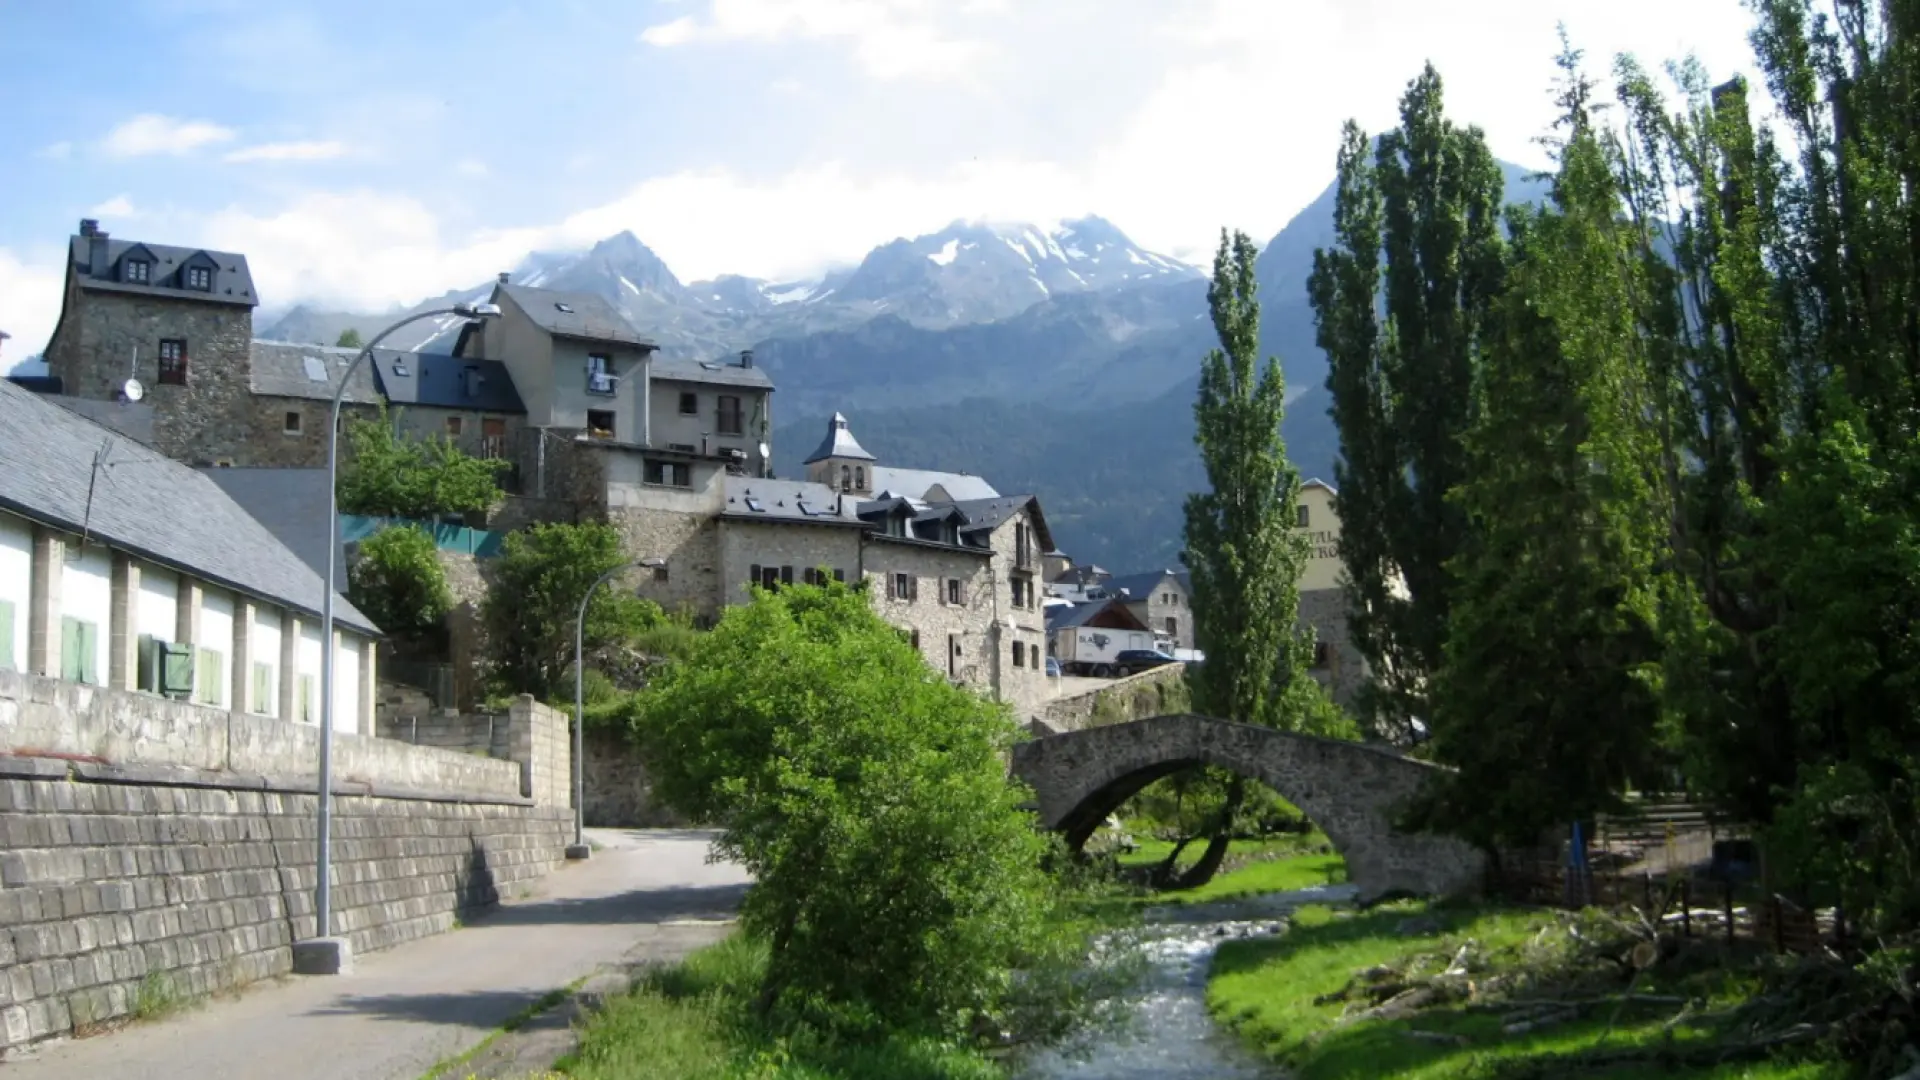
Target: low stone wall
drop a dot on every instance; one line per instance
(619, 792)
(1136, 697)
(41, 717)
(119, 892)
(538, 738)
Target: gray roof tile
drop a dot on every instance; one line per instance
(756, 499)
(915, 483)
(1139, 586)
(145, 504)
(710, 373)
(130, 418)
(994, 512)
(292, 504)
(444, 382)
(286, 369)
(232, 280)
(839, 443)
(573, 314)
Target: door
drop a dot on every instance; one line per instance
(493, 437)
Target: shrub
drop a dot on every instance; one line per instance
(539, 579)
(398, 582)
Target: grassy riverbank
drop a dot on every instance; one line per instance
(1273, 864)
(694, 1021)
(1313, 999)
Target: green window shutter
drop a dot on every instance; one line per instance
(69, 648)
(6, 635)
(210, 676)
(263, 689)
(306, 705)
(89, 638)
(176, 669)
(146, 667)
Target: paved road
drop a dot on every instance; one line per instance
(644, 895)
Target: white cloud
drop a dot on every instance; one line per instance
(59, 151)
(29, 301)
(120, 206)
(471, 167)
(289, 151)
(151, 133)
(892, 39)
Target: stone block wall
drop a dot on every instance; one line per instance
(967, 628)
(271, 446)
(541, 738)
(1159, 692)
(619, 791)
(1345, 671)
(115, 892)
(690, 543)
(532, 735)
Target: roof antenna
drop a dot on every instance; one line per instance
(100, 465)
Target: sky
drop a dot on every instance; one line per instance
(366, 155)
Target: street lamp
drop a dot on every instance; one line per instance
(325, 954)
(579, 849)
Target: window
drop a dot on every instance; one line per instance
(730, 422)
(209, 676)
(955, 595)
(263, 702)
(164, 668)
(291, 424)
(859, 478)
(453, 427)
(1302, 515)
(309, 703)
(79, 650)
(493, 437)
(600, 374)
(1022, 556)
(953, 656)
(689, 403)
(1019, 592)
(600, 423)
(1173, 627)
(138, 271)
(846, 478)
(820, 575)
(1019, 654)
(200, 277)
(905, 587)
(669, 473)
(6, 635)
(173, 362)
(913, 639)
(660, 574)
(1321, 654)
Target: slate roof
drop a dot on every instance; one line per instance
(444, 382)
(587, 316)
(711, 373)
(286, 369)
(1067, 616)
(232, 281)
(1316, 482)
(839, 442)
(1139, 586)
(992, 513)
(915, 483)
(145, 504)
(756, 499)
(134, 419)
(1082, 575)
(292, 504)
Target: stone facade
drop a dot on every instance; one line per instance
(1337, 663)
(791, 548)
(1017, 573)
(619, 791)
(288, 433)
(960, 640)
(1166, 609)
(103, 338)
(691, 544)
(110, 891)
(1350, 790)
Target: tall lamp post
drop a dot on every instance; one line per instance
(579, 849)
(325, 954)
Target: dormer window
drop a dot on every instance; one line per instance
(200, 277)
(600, 374)
(136, 271)
(565, 309)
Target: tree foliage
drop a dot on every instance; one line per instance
(398, 582)
(1401, 302)
(349, 339)
(387, 474)
(533, 607)
(896, 881)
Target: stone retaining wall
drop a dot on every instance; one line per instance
(116, 896)
(619, 791)
(1136, 697)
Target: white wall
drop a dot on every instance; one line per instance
(264, 644)
(86, 592)
(307, 661)
(346, 684)
(16, 585)
(157, 615)
(215, 635)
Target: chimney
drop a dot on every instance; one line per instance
(746, 357)
(506, 278)
(96, 250)
(89, 226)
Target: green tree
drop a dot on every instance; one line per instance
(895, 879)
(349, 339)
(387, 474)
(1242, 549)
(533, 605)
(1401, 302)
(1546, 702)
(398, 582)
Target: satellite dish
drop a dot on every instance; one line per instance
(764, 452)
(133, 390)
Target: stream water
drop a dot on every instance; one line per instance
(1172, 1037)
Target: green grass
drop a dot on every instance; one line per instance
(692, 1022)
(1265, 990)
(1272, 864)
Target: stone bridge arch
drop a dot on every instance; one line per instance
(1351, 791)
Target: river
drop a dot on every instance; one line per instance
(1172, 1036)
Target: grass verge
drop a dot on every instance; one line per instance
(1320, 999)
(693, 1021)
(448, 1068)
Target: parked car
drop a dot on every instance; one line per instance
(1053, 668)
(1132, 660)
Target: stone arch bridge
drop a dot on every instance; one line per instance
(1351, 791)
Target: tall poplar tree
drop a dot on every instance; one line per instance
(1401, 303)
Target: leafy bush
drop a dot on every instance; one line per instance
(539, 580)
(389, 475)
(398, 582)
(897, 884)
